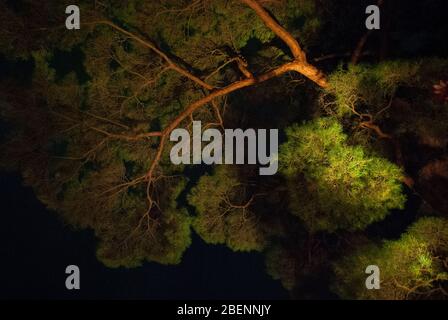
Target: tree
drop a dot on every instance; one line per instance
(96, 148)
(333, 185)
(87, 124)
(413, 267)
(224, 211)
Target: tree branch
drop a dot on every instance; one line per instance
(172, 65)
(281, 32)
(301, 65)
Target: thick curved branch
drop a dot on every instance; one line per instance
(281, 32)
(301, 65)
(292, 66)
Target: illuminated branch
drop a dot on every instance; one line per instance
(301, 65)
(288, 67)
(281, 32)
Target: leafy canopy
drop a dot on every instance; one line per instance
(334, 185)
(224, 213)
(412, 267)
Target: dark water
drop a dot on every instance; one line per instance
(35, 248)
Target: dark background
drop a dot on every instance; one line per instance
(36, 247)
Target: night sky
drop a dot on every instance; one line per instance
(36, 247)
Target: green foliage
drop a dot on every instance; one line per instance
(281, 265)
(371, 87)
(363, 85)
(334, 185)
(129, 234)
(221, 218)
(128, 91)
(164, 243)
(74, 140)
(126, 12)
(41, 67)
(412, 267)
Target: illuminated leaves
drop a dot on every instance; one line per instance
(413, 267)
(334, 185)
(224, 212)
